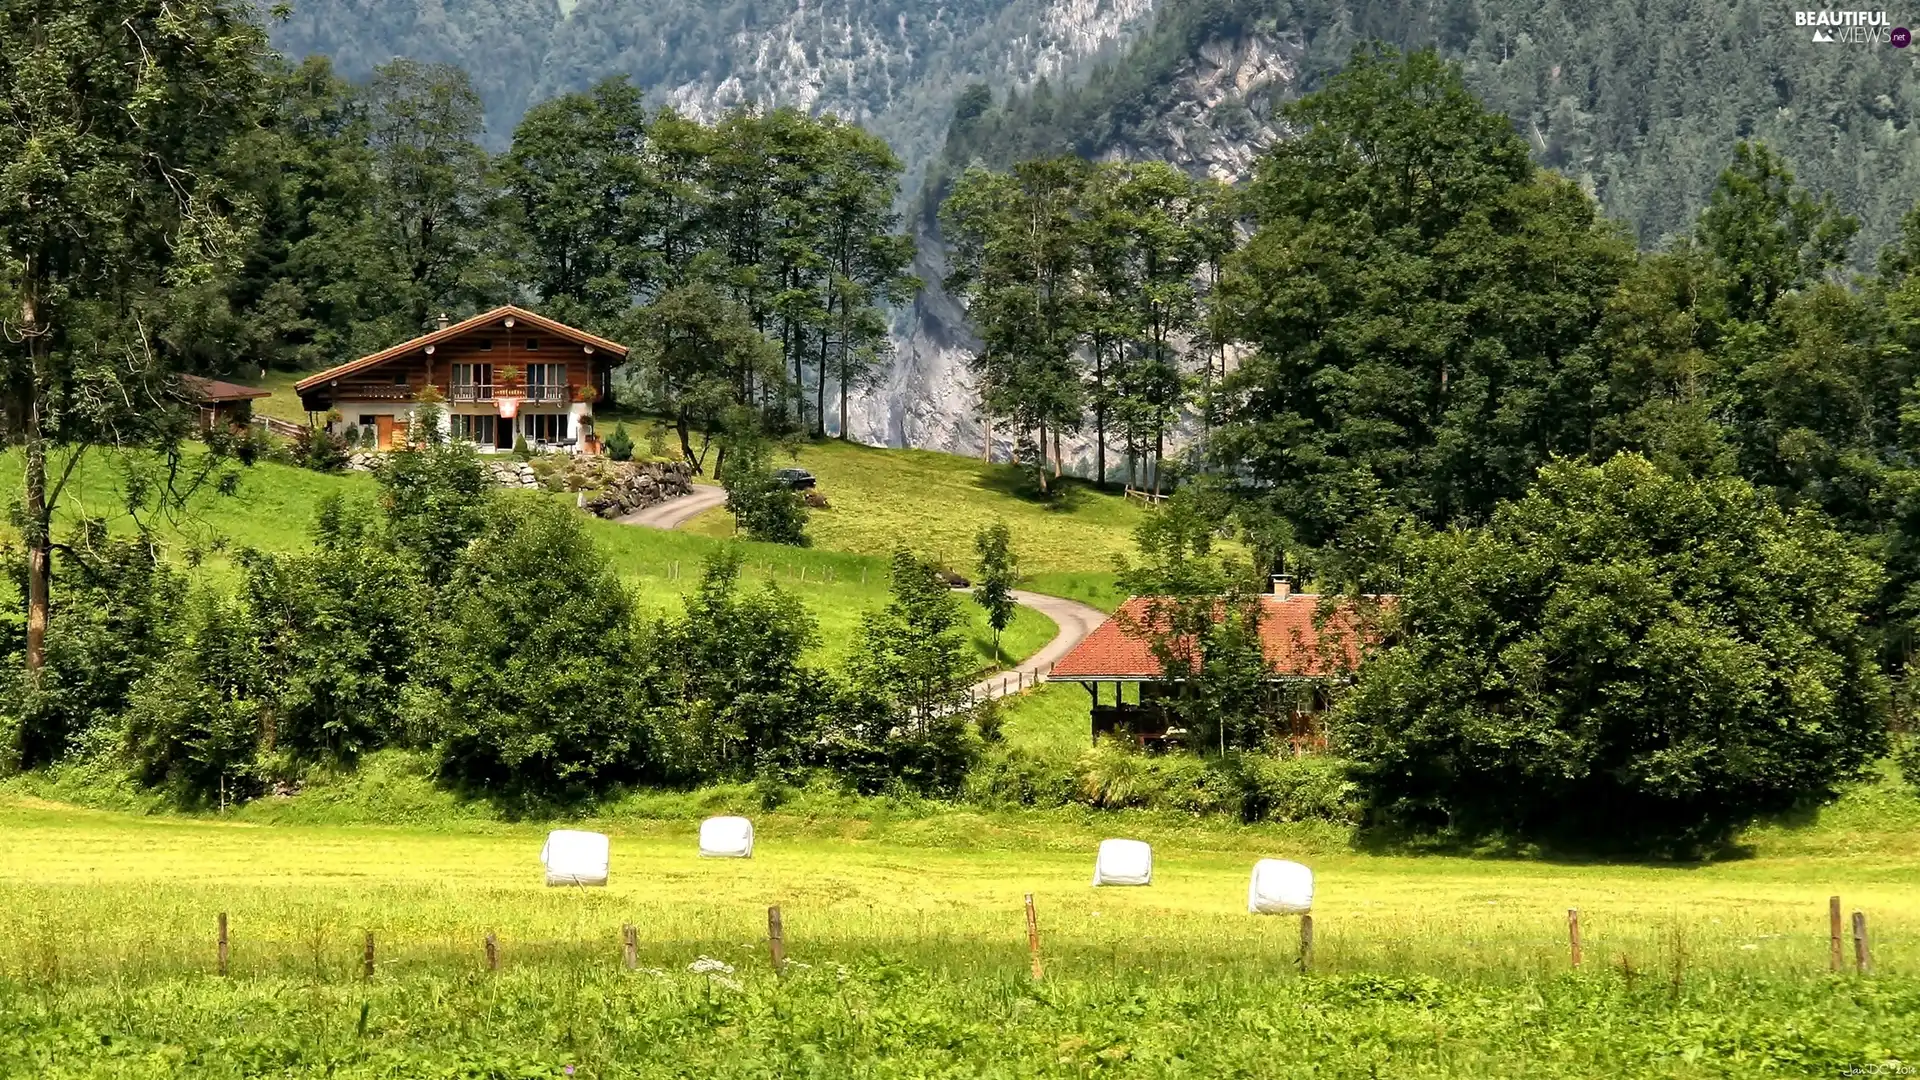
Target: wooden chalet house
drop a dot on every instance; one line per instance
(503, 373)
(1307, 651)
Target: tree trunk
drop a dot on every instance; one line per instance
(686, 442)
(38, 520)
(1041, 449)
(1159, 451)
(1056, 453)
(1099, 416)
(820, 388)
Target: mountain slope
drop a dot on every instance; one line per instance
(891, 65)
(1640, 104)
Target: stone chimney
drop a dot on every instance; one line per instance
(443, 320)
(1281, 586)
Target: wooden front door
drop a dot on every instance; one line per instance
(384, 425)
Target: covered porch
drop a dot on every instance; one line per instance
(1144, 712)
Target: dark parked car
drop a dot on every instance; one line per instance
(797, 479)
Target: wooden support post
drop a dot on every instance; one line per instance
(1306, 944)
(1862, 960)
(776, 940)
(1033, 937)
(1573, 934)
(366, 963)
(221, 962)
(1833, 932)
(631, 940)
(493, 952)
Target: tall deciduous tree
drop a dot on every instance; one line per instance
(577, 171)
(997, 571)
(114, 117)
(1621, 656)
(432, 184)
(1014, 246)
(1419, 299)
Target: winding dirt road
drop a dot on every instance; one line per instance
(677, 512)
(1075, 619)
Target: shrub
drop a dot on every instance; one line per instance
(320, 450)
(520, 448)
(353, 437)
(620, 444)
(726, 687)
(522, 689)
(1251, 786)
(434, 497)
(116, 608)
(1909, 761)
(193, 724)
(1621, 658)
(765, 508)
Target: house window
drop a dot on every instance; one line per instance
(472, 382)
(399, 378)
(545, 427)
(546, 382)
(533, 344)
(474, 429)
(486, 344)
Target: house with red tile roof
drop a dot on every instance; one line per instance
(1309, 641)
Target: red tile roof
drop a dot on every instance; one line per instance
(1121, 649)
(485, 318)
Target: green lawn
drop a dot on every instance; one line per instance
(903, 925)
(936, 503)
(273, 505)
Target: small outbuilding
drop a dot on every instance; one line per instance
(222, 404)
(1310, 642)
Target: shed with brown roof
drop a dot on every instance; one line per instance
(1309, 642)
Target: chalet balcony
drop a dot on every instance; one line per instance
(473, 392)
(377, 392)
(547, 395)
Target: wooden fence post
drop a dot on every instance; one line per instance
(1033, 937)
(631, 940)
(366, 962)
(1306, 944)
(222, 948)
(1833, 932)
(776, 940)
(493, 952)
(1862, 959)
(1573, 934)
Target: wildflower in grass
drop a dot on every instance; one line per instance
(707, 965)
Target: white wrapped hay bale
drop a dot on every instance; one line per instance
(1280, 887)
(575, 858)
(1123, 862)
(726, 838)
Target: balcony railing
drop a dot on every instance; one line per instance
(546, 394)
(473, 392)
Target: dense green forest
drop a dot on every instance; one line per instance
(1633, 101)
(1636, 103)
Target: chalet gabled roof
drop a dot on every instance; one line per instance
(481, 321)
(1121, 648)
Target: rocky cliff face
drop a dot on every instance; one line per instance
(1225, 97)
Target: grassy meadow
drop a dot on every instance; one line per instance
(880, 498)
(904, 925)
(274, 504)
